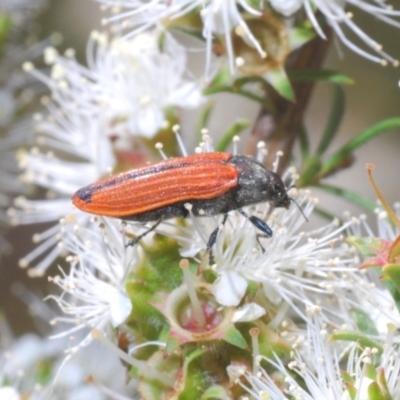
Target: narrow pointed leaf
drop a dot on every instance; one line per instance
(240, 82)
(234, 130)
(204, 117)
(352, 391)
(299, 36)
(321, 75)
(304, 143)
(309, 172)
(374, 392)
(234, 337)
(340, 156)
(347, 377)
(381, 379)
(241, 92)
(393, 271)
(367, 246)
(370, 371)
(5, 26)
(363, 321)
(393, 291)
(221, 78)
(349, 195)
(325, 214)
(394, 252)
(360, 338)
(215, 392)
(281, 83)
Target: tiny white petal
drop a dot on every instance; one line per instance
(120, 307)
(9, 393)
(249, 312)
(286, 7)
(229, 288)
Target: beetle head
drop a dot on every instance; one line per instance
(277, 191)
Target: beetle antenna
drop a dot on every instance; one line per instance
(295, 202)
(298, 206)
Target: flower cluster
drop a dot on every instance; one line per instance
(123, 94)
(202, 306)
(295, 303)
(230, 19)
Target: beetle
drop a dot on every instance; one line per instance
(212, 183)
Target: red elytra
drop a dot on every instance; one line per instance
(195, 177)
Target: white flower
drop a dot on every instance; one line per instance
(219, 17)
(129, 84)
(21, 361)
(123, 92)
(94, 294)
(297, 267)
(369, 292)
(75, 153)
(315, 361)
(77, 136)
(338, 18)
(134, 81)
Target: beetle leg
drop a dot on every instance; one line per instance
(259, 224)
(213, 239)
(136, 240)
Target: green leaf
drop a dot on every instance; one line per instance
(223, 77)
(374, 392)
(309, 172)
(304, 143)
(162, 264)
(381, 379)
(320, 75)
(370, 371)
(232, 131)
(351, 336)
(5, 26)
(234, 337)
(195, 380)
(240, 82)
(158, 272)
(280, 82)
(196, 33)
(241, 92)
(334, 120)
(152, 388)
(325, 214)
(349, 195)
(252, 290)
(215, 392)
(363, 321)
(342, 154)
(352, 391)
(393, 291)
(394, 250)
(393, 271)
(366, 246)
(347, 378)
(204, 119)
(299, 36)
